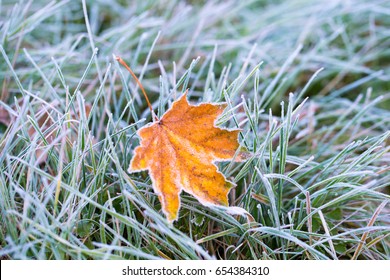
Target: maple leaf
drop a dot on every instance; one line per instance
(179, 151)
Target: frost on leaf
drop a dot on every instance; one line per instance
(179, 152)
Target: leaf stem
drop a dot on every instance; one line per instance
(121, 61)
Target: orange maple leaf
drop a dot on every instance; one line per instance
(179, 151)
